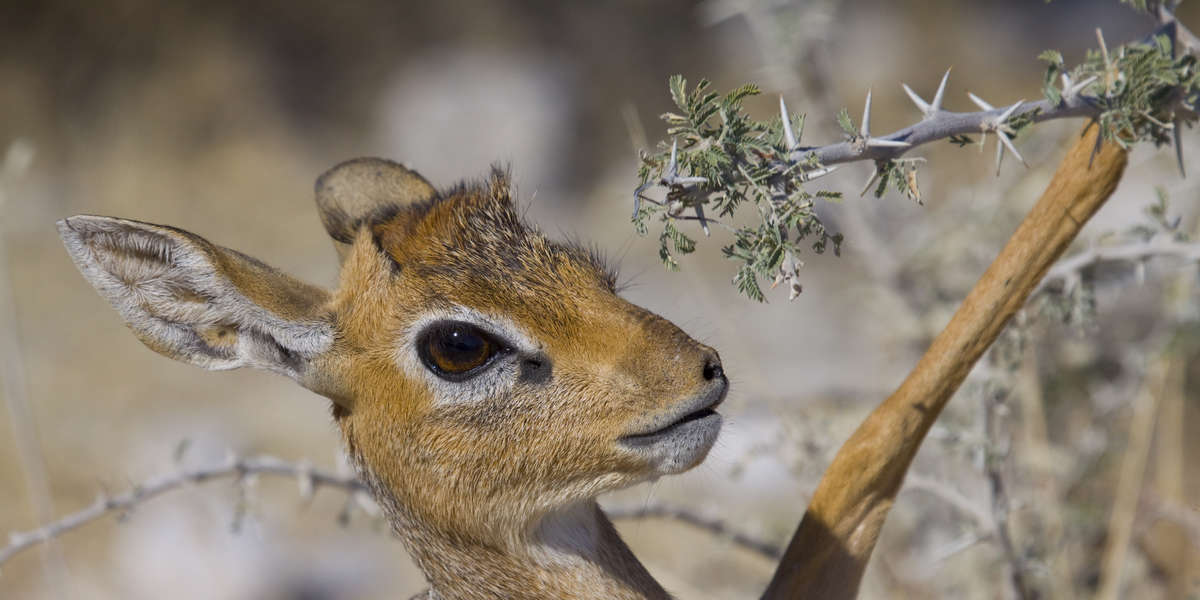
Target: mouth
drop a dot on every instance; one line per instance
(679, 439)
(682, 422)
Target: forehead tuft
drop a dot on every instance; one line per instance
(473, 235)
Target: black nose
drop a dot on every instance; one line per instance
(712, 369)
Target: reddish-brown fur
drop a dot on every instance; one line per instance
(491, 483)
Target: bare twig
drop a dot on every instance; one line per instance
(1134, 252)
(943, 491)
(712, 525)
(308, 478)
(995, 409)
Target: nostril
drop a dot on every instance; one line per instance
(713, 370)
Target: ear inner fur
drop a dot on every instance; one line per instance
(198, 302)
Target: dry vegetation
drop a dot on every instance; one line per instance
(1068, 458)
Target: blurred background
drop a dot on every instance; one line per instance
(217, 117)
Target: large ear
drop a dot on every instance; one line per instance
(362, 191)
(197, 302)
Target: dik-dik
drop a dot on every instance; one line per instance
(489, 383)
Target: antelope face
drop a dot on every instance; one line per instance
(503, 370)
(481, 374)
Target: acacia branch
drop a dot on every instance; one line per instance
(720, 158)
(829, 552)
(944, 125)
(939, 124)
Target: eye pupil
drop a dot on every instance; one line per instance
(453, 349)
(463, 342)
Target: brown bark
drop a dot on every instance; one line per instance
(830, 549)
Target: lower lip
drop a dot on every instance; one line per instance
(698, 416)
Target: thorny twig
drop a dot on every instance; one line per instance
(712, 525)
(938, 124)
(719, 157)
(309, 480)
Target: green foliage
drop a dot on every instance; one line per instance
(1138, 5)
(1054, 65)
(843, 119)
(1138, 89)
(720, 160)
(961, 140)
(743, 162)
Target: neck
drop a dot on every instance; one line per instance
(573, 553)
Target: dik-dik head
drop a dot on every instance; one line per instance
(482, 375)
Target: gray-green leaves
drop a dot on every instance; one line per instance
(719, 160)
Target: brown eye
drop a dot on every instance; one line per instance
(455, 351)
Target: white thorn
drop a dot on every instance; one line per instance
(703, 221)
(979, 102)
(1075, 89)
(941, 92)
(870, 180)
(815, 173)
(1066, 81)
(999, 154)
(929, 109)
(1178, 126)
(922, 106)
(865, 130)
(673, 165)
(788, 136)
(882, 143)
(1009, 111)
(1011, 148)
